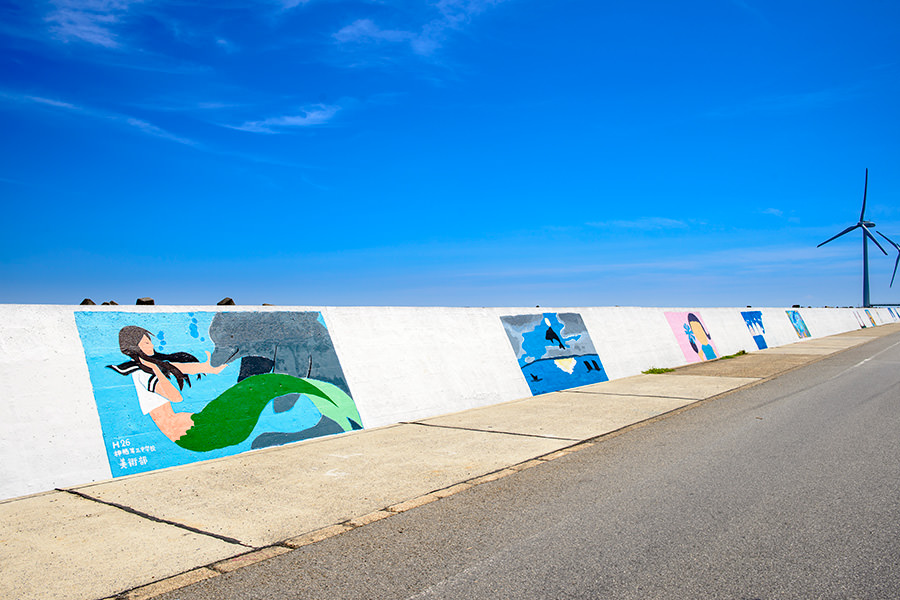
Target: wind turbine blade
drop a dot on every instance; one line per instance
(895, 271)
(848, 230)
(892, 242)
(897, 262)
(862, 215)
(872, 237)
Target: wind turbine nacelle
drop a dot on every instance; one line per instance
(868, 224)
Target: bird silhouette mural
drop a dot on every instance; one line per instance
(554, 351)
(552, 336)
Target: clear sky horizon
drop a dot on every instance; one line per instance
(451, 152)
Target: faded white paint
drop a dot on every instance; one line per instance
(401, 364)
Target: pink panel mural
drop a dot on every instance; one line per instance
(693, 336)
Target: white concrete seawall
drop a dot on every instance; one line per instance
(60, 424)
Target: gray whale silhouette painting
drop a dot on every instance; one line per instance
(291, 343)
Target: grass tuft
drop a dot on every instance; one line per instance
(657, 370)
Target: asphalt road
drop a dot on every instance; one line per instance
(790, 489)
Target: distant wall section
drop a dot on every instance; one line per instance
(91, 393)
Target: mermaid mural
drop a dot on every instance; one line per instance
(267, 379)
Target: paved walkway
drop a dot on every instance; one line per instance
(140, 536)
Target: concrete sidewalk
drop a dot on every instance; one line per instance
(139, 536)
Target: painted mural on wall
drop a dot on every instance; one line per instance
(798, 323)
(859, 319)
(175, 388)
(871, 318)
(554, 351)
(693, 336)
(753, 319)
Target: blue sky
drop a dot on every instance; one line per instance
(451, 152)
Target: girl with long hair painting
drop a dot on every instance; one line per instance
(151, 371)
(231, 417)
(699, 338)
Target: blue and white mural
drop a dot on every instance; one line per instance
(177, 387)
(799, 324)
(554, 351)
(753, 319)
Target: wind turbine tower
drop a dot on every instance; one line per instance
(864, 225)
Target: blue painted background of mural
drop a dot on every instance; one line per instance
(134, 443)
(753, 319)
(554, 351)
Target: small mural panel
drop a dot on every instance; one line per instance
(175, 388)
(693, 337)
(859, 319)
(871, 318)
(554, 351)
(753, 319)
(798, 323)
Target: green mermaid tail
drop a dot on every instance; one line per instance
(230, 418)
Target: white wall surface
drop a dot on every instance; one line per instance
(630, 340)
(49, 428)
(401, 364)
(410, 363)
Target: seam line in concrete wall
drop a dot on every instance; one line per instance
(149, 517)
(531, 435)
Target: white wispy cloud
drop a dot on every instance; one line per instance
(311, 116)
(452, 15)
(151, 129)
(775, 212)
(51, 102)
(89, 21)
(365, 30)
(226, 45)
(455, 13)
(643, 224)
(748, 259)
(147, 128)
(129, 121)
(289, 4)
(185, 103)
